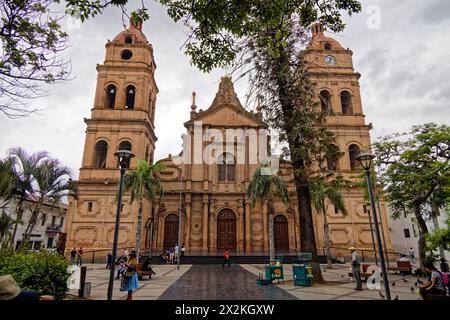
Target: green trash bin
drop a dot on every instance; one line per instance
(302, 274)
(302, 270)
(274, 270)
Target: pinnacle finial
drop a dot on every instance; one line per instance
(193, 106)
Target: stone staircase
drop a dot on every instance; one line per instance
(238, 259)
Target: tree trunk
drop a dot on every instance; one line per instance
(307, 234)
(434, 216)
(271, 238)
(19, 214)
(137, 246)
(326, 233)
(423, 230)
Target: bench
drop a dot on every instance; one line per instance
(141, 273)
(404, 267)
(364, 274)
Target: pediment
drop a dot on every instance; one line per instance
(230, 116)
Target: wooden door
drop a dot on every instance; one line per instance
(281, 235)
(226, 230)
(170, 231)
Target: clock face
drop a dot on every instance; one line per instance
(330, 60)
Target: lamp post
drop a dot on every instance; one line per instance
(365, 159)
(373, 240)
(124, 156)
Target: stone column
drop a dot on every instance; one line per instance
(248, 239)
(239, 229)
(188, 225)
(205, 224)
(265, 226)
(212, 228)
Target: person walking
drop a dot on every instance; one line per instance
(435, 283)
(171, 254)
(356, 268)
(80, 257)
(176, 253)
(183, 249)
(130, 279)
(73, 255)
(412, 256)
(226, 258)
(109, 261)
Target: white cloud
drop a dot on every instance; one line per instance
(404, 67)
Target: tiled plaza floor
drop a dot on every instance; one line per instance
(213, 282)
(339, 286)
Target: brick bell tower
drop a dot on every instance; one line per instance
(122, 118)
(338, 94)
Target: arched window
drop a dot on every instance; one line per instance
(353, 152)
(128, 39)
(327, 46)
(125, 145)
(101, 151)
(226, 167)
(130, 95)
(110, 96)
(325, 100)
(346, 102)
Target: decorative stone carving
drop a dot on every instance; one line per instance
(85, 235)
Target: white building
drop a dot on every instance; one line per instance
(404, 233)
(50, 224)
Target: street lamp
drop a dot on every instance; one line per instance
(365, 159)
(124, 157)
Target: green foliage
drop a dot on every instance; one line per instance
(144, 182)
(416, 167)
(322, 191)
(415, 173)
(267, 187)
(43, 271)
(439, 238)
(32, 40)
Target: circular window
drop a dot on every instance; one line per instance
(127, 54)
(327, 46)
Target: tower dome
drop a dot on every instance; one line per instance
(133, 34)
(320, 41)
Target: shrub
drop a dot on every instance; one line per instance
(42, 271)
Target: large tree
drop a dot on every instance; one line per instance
(415, 172)
(32, 41)
(268, 188)
(144, 183)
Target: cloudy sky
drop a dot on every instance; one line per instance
(402, 56)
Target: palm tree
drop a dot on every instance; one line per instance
(23, 165)
(7, 181)
(51, 183)
(268, 187)
(143, 182)
(321, 193)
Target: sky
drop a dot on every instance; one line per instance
(400, 47)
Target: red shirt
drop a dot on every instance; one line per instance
(226, 254)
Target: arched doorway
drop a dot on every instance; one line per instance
(280, 226)
(170, 231)
(226, 230)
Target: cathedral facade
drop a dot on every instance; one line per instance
(204, 202)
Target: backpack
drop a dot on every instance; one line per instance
(444, 276)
